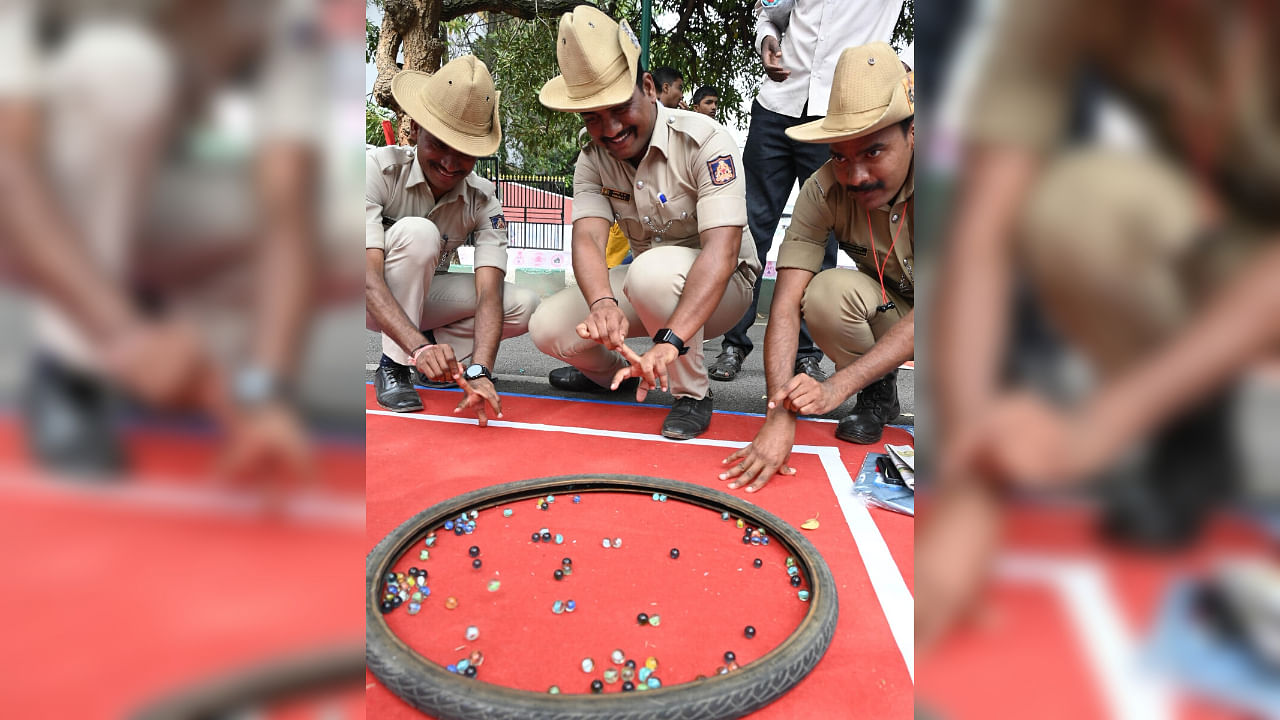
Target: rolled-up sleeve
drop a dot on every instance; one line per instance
(764, 26)
(375, 188)
(722, 191)
(588, 201)
(806, 240)
(1023, 96)
(491, 235)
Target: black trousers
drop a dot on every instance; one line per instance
(772, 163)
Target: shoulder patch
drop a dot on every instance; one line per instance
(722, 171)
(616, 194)
(498, 222)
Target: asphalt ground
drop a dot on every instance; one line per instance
(522, 368)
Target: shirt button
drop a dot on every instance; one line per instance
(671, 121)
(894, 218)
(645, 218)
(639, 184)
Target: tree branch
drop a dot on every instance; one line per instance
(523, 9)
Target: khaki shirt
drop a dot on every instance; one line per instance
(1192, 81)
(394, 188)
(825, 205)
(692, 163)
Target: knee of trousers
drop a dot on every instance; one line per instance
(415, 237)
(1096, 215)
(836, 300)
(552, 333)
(519, 305)
(656, 279)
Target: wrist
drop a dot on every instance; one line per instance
(614, 300)
(416, 352)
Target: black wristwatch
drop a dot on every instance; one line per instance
(475, 371)
(666, 336)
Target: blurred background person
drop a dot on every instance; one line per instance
(153, 158)
(178, 205)
(1108, 278)
(706, 100)
(670, 85)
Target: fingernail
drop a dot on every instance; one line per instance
(751, 489)
(724, 476)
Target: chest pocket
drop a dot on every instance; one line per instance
(677, 218)
(624, 213)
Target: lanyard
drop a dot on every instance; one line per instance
(875, 259)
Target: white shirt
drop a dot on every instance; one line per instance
(818, 31)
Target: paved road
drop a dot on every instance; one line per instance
(522, 368)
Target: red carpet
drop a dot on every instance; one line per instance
(122, 593)
(704, 598)
(1034, 650)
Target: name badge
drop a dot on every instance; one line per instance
(615, 194)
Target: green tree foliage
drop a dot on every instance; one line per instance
(373, 117)
(709, 41)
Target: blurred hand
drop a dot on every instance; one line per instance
(771, 54)
(651, 368)
(163, 363)
(805, 396)
(606, 325)
(268, 447)
(1025, 442)
(479, 393)
(437, 362)
(766, 456)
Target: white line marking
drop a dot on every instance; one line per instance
(1130, 693)
(573, 430)
(306, 509)
(896, 601)
(891, 590)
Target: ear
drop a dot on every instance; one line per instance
(649, 90)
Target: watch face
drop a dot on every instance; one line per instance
(476, 370)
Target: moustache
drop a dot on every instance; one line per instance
(868, 187)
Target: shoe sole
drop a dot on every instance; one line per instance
(675, 436)
(719, 378)
(401, 410)
(860, 439)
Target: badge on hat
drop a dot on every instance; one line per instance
(630, 34)
(909, 85)
(722, 172)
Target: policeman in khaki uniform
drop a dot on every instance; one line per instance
(863, 319)
(672, 181)
(420, 204)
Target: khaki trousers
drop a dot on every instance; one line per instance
(445, 304)
(840, 308)
(647, 291)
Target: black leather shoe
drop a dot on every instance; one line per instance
(426, 382)
(688, 418)
(70, 424)
(571, 378)
(810, 366)
(394, 388)
(728, 363)
(877, 406)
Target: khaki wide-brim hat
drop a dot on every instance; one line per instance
(457, 104)
(870, 92)
(598, 59)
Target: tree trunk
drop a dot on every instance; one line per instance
(411, 26)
